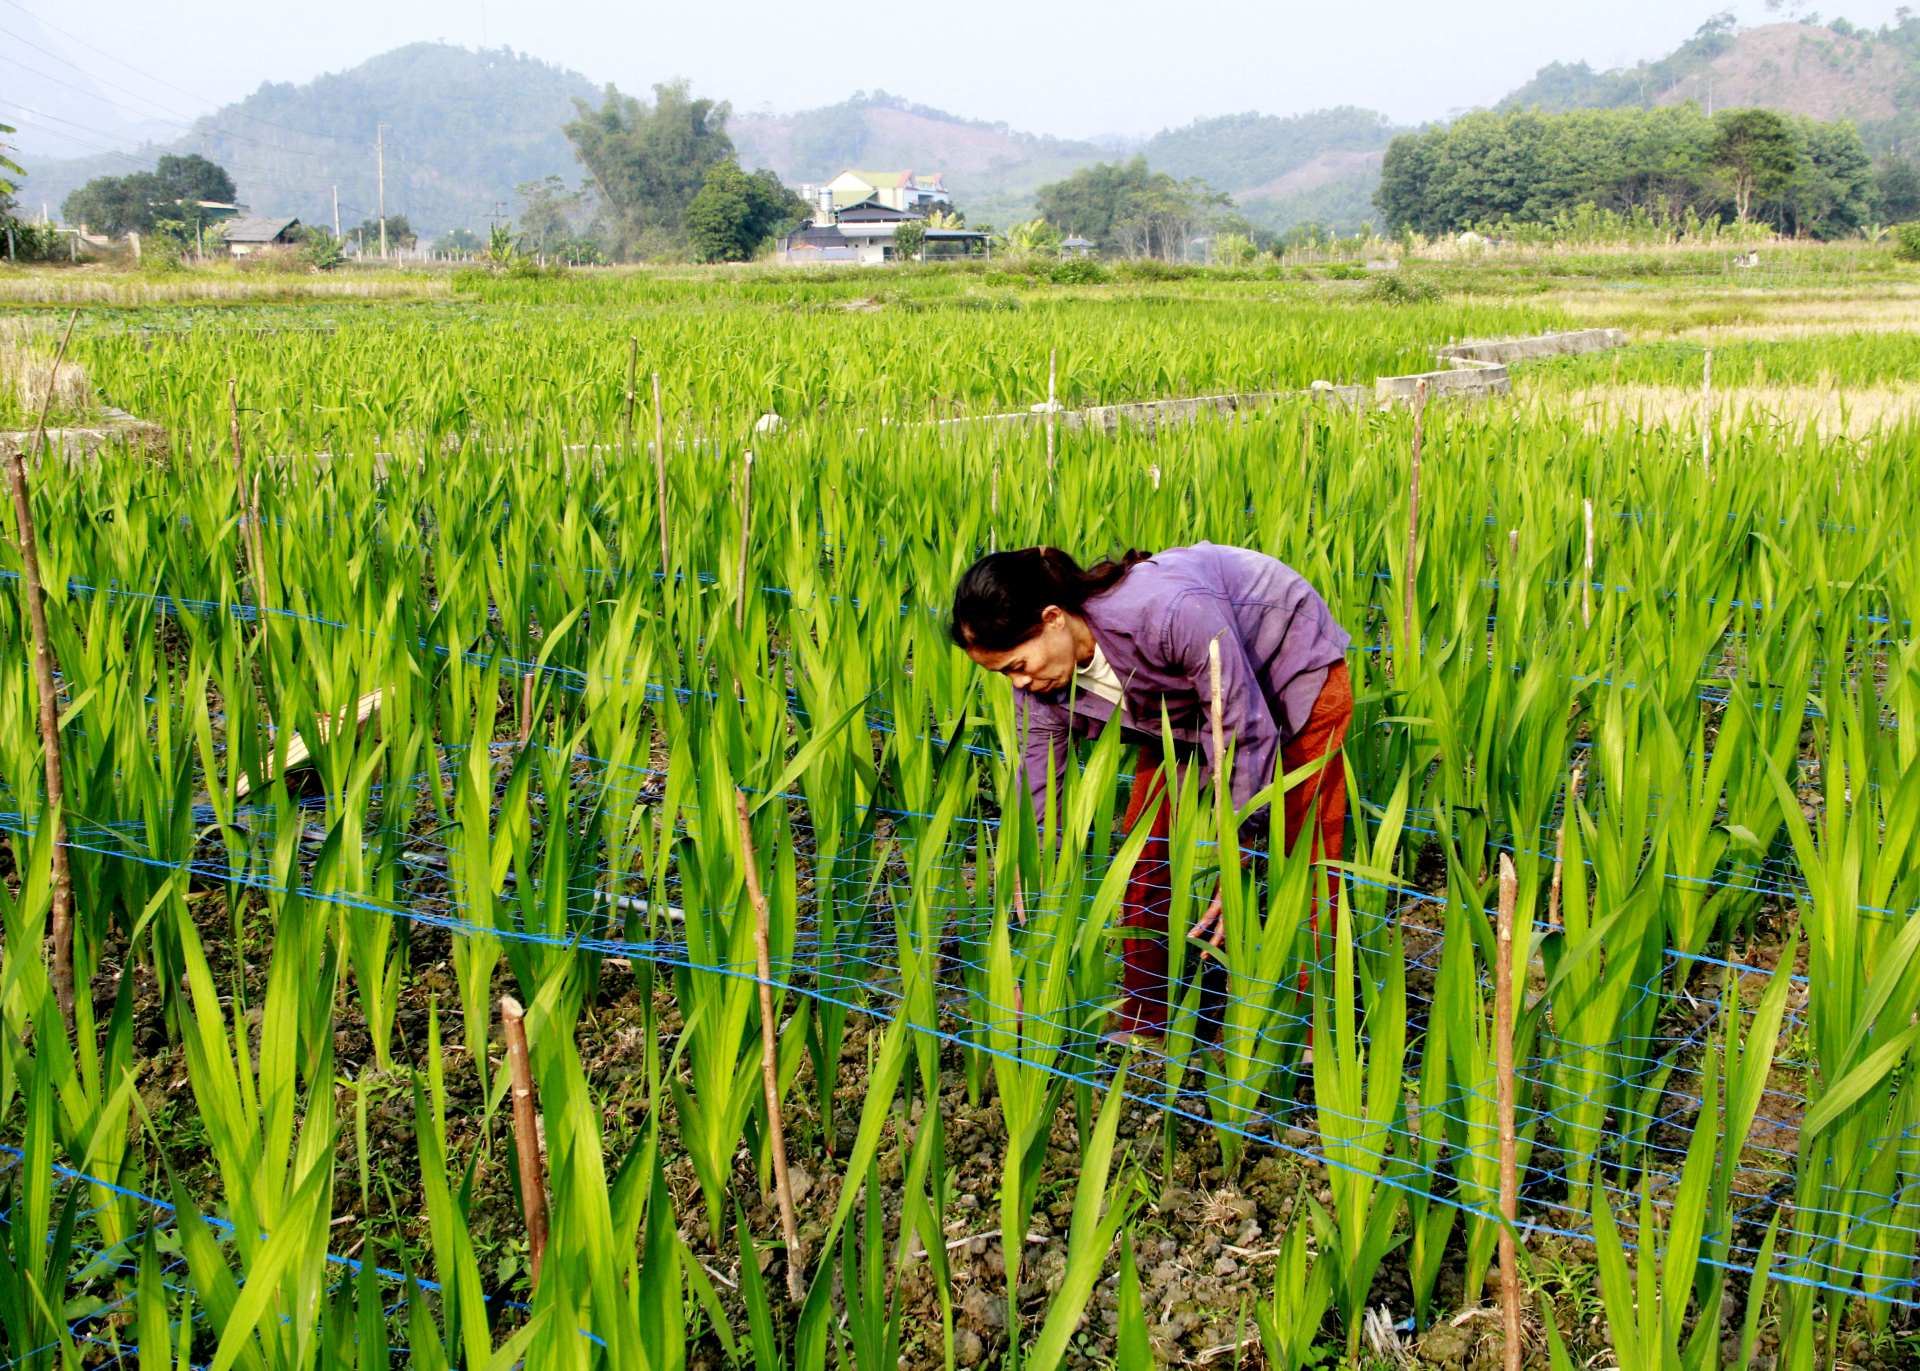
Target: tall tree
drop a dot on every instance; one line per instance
(649, 161)
(547, 208)
(1129, 209)
(173, 190)
(1755, 148)
(735, 213)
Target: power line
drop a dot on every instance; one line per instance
(191, 126)
(335, 138)
(28, 122)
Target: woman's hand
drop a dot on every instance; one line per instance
(1210, 926)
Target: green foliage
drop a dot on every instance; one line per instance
(1907, 235)
(1797, 175)
(9, 169)
(1128, 210)
(735, 213)
(320, 250)
(1756, 150)
(909, 238)
(461, 240)
(547, 210)
(1078, 271)
(400, 233)
(1234, 249)
(114, 205)
(650, 161)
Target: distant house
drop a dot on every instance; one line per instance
(1075, 247)
(254, 232)
(863, 233)
(892, 189)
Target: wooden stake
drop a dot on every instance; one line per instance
(526, 1133)
(1503, 1077)
(660, 466)
(1706, 416)
(770, 1058)
(746, 532)
(1586, 583)
(526, 708)
(60, 922)
(1413, 514)
(1560, 851)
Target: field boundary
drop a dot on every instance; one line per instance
(1474, 370)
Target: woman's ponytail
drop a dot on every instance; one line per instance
(1000, 598)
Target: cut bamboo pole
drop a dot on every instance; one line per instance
(746, 533)
(1586, 582)
(1413, 516)
(1560, 850)
(526, 1133)
(60, 918)
(660, 468)
(1503, 1083)
(526, 708)
(770, 1059)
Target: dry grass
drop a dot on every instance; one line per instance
(27, 375)
(86, 286)
(1715, 316)
(1851, 413)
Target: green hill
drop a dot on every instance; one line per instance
(463, 128)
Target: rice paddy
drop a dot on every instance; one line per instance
(431, 701)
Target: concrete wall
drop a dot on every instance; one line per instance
(1534, 349)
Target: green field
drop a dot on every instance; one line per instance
(278, 1131)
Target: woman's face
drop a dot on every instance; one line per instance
(1044, 662)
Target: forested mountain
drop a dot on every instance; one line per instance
(462, 129)
(1827, 72)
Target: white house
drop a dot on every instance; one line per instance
(892, 189)
(863, 233)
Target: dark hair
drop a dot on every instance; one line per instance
(999, 600)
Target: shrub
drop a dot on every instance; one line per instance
(1077, 271)
(1399, 288)
(1907, 236)
(1153, 269)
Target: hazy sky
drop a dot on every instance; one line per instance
(1125, 66)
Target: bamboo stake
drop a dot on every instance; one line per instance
(1560, 851)
(660, 467)
(1706, 416)
(526, 709)
(1503, 1077)
(1053, 358)
(249, 529)
(746, 532)
(1586, 583)
(60, 919)
(1413, 514)
(770, 1058)
(633, 361)
(1219, 728)
(526, 1133)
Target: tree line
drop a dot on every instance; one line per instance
(1797, 175)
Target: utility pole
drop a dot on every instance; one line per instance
(380, 151)
(336, 214)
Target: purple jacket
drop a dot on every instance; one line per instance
(1277, 641)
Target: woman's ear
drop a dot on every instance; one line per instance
(1052, 616)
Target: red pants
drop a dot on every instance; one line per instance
(1150, 891)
